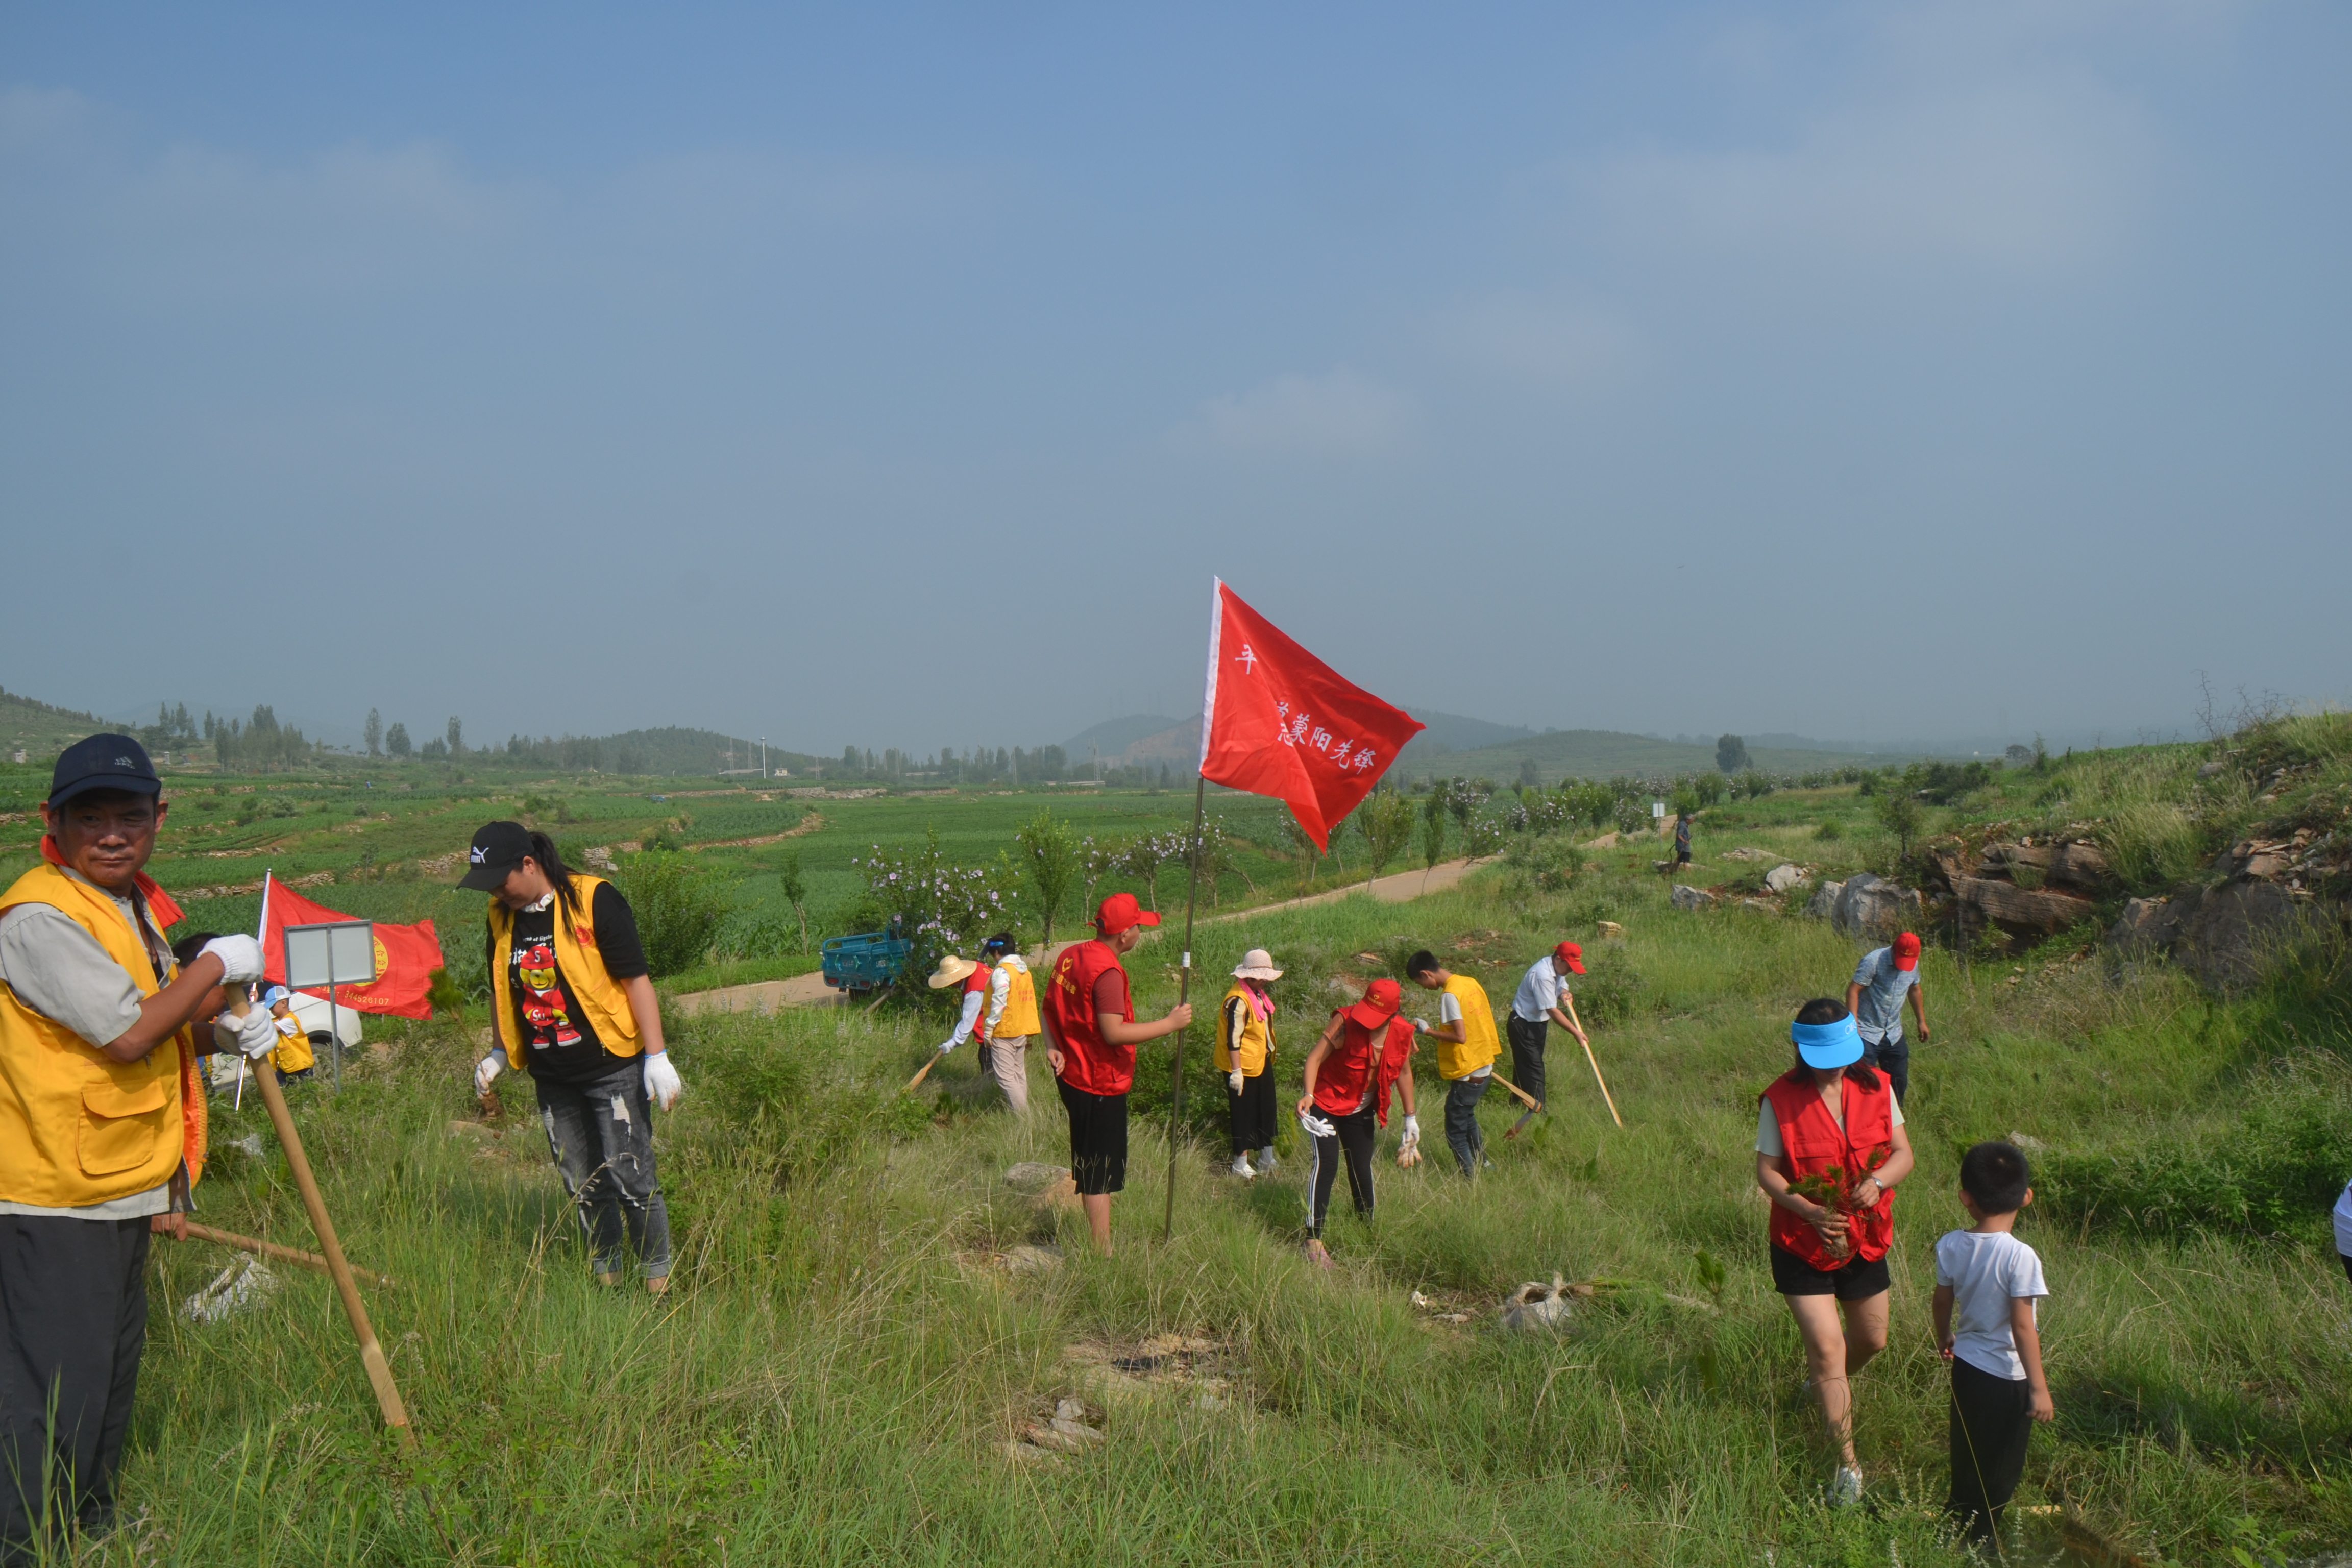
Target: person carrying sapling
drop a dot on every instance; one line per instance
(102, 1131)
(1830, 1148)
(1364, 1050)
(1987, 1282)
(1466, 1049)
(572, 1003)
(1245, 1056)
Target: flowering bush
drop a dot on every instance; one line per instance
(942, 907)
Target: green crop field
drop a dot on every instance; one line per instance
(854, 1346)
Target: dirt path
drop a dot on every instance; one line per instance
(810, 990)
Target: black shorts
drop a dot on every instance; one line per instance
(1856, 1281)
(2346, 1258)
(1097, 1140)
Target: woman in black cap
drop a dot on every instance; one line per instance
(574, 1005)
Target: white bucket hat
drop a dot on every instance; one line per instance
(1257, 964)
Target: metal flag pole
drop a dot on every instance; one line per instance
(1185, 994)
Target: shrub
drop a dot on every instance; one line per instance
(1545, 865)
(1050, 860)
(2276, 1175)
(941, 905)
(1902, 815)
(1832, 827)
(679, 903)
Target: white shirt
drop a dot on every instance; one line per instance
(2344, 1222)
(1767, 1126)
(1987, 1270)
(1538, 992)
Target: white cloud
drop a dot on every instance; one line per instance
(1577, 347)
(2024, 177)
(1340, 414)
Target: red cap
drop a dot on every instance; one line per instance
(1907, 951)
(1568, 953)
(1119, 912)
(1381, 1000)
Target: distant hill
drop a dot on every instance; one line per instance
(1453, 732)
(1606, 753)
(41, 731)
(1114, 736)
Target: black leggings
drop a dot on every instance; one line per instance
(1353, 1142)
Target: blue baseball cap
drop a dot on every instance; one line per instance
(274, 995)
(1837, 1045)
(102, 762)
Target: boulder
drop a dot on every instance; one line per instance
(2233, 928)
(2080, 866)
(2147, 927)
(1783, 877)
(1611, 932)
(1691, 898)
(1761, 905)
(1824, 900)
(2043, 909)
(1869, 905)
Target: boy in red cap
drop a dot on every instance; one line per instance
(1874, 998)
(1090, 1039)
(1543, 1000)
(1364, 1049)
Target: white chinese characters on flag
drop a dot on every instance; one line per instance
(1276, 721)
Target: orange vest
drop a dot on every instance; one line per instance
(1089, 1062)
(1815, 1142)
(76, 1127)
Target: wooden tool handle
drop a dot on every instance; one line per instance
(294, 1254)
(379, 1370)
(1606, 1097)
(1530, 1100)
(925, 1073)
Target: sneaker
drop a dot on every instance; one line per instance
(1845, 1489)
(1267, 1162)
(1242, 1167)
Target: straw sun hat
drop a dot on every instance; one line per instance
(951, 970)
(1258, 964)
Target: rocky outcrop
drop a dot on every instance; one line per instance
(2223, 935)
(1783, 877)
(2044, 910)
(1824, 900)
(1691, 898)
(1869, 905)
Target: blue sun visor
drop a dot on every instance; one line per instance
(1834, 1045)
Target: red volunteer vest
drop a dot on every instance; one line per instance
(977, 981)
(1340, 1081)
(1089, 1062)
(1815, 1142)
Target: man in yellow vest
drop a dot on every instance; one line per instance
(101, 1130)
(1466, 1049)
(1011, 1019)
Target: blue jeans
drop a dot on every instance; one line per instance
(1892, 1057)
(1462, 1134)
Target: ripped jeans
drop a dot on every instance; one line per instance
(601, 1131)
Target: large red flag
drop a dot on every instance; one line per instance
(405, 956)
(1277, 720)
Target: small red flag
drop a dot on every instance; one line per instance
(405, 956)
(1277, 720)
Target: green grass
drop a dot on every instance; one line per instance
(840, 1364)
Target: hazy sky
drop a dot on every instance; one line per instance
(900, 375)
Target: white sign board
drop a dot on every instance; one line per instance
(1657, 809)
(341, 954)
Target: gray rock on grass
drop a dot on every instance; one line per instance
(1683, 898)
(1783, 877)
(1869, 905)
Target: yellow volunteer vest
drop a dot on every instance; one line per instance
(76, 1127)
(1257, 1035)
(1020, 1019)
(598, 996)
(1478, 1024)
(293, 1053)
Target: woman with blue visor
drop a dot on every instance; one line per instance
(1830, 1148)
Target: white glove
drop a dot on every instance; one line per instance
(240, 958)
(255, 1036)
(1413, 1133)
(487, 1070)
(1235, 1080)
(946, 1046)
(1316, 1126)
(1421, 1025)
(662, 1086)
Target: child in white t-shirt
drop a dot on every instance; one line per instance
(1987, 1282)
(2342, 1218)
